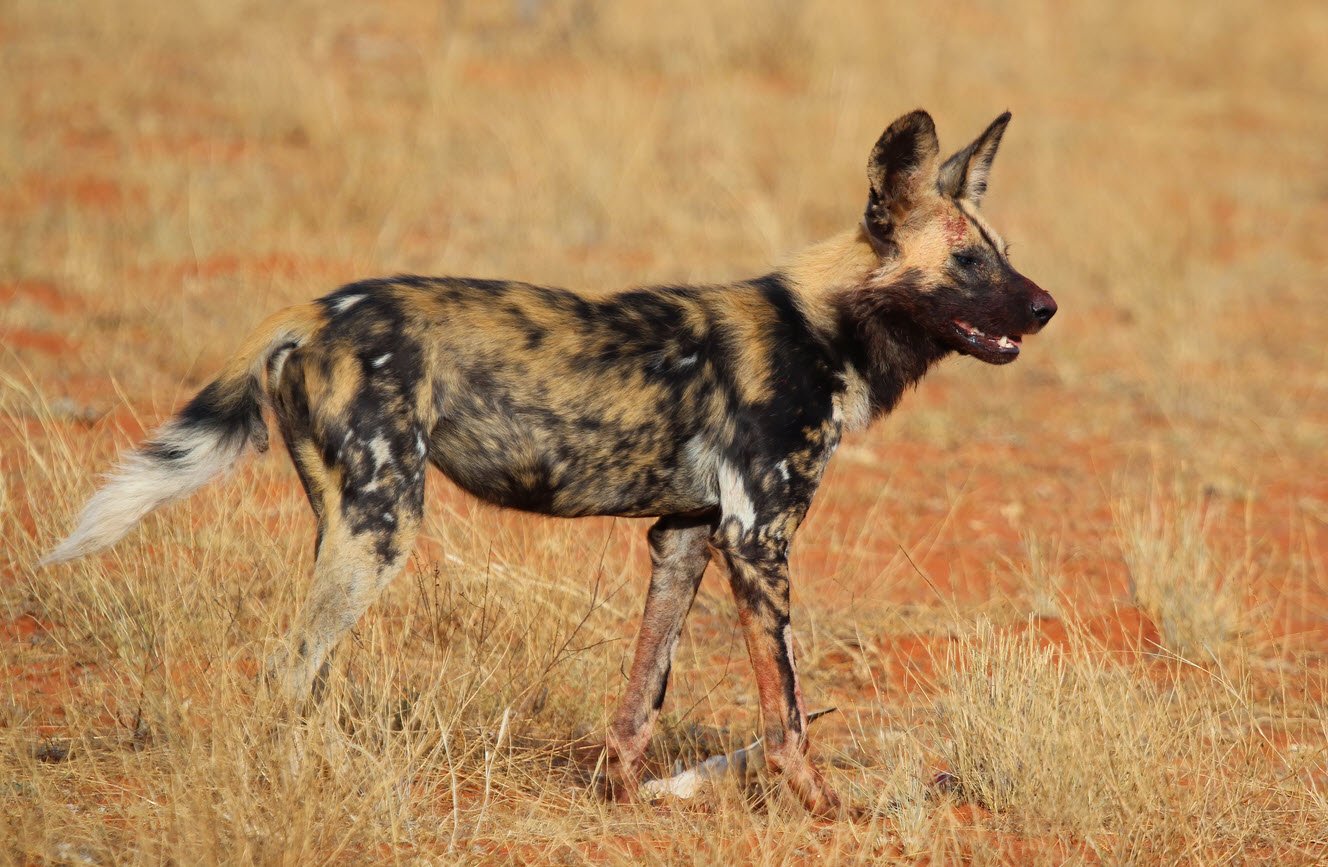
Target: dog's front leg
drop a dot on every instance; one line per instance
(758, 573)
(679, 552)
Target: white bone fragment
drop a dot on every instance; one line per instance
(686, 783)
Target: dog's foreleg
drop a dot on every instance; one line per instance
(679, 552)
(759, 576)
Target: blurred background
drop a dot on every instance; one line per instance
(171, 172)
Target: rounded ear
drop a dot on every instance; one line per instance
(901, 170)
(964, 175)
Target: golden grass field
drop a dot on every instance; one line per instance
(1092, 587)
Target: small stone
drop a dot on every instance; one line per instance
(52, 751)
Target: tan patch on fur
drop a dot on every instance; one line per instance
(923, 245)
(933, 229)
(820, 272)
(324, 484)
(293, 323)
(750, 320)
(343, 386)
(971, 212)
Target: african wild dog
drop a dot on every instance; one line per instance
(711, 408)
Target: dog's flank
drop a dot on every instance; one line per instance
(712, 408)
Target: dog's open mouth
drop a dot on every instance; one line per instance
(1005, 347)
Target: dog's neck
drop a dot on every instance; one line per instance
(889, 352)
(886, 351)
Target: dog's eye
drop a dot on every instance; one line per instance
(965, 260)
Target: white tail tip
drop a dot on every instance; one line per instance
(147, 480)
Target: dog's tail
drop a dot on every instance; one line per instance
(199, 443)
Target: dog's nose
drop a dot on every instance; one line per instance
(1043, 307)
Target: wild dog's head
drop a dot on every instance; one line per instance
(944, 271)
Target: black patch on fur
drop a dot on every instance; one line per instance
(219, 410)
(895, 159)
(804, 370)
(886, 339)
(663, 689)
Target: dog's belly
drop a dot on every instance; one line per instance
(544, 464)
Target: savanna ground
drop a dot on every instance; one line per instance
(1089, 586)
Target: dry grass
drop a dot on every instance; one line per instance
(1070, 742)
(1042, 574)
(1078, 745)
(169, 173)
(1175, 576)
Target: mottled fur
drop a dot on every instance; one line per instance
(713, 408)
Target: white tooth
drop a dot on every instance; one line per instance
(1004, 342)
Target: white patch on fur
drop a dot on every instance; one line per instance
(382, 359)
(275, 365)
(143, 483)
(702, 462)
(344, 304)
(733, 497)
(382, 453)
(788, 649)
(684, 363)
(419, 443)
(783, 469)
(852, 406)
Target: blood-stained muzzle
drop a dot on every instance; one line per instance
(1041, 306)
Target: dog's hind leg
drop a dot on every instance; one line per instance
(679, 552)
(368, 495)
